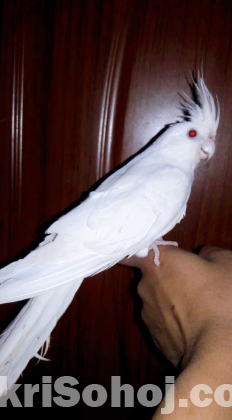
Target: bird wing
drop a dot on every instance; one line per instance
(109, 225)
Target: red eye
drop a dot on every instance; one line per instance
(192, 133)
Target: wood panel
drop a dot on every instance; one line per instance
(84, 84)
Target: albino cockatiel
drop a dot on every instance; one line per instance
(124, 216)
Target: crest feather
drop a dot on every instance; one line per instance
(202, 108)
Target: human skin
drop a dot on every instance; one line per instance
(187, 307)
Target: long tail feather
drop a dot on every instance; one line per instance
(24, 337)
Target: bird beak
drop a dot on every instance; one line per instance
(207, 150)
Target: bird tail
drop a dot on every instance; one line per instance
(30, 331)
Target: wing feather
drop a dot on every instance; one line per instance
(105, 228)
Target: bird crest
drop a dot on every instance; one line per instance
(202, 110)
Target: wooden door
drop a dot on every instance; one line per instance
(84, 84)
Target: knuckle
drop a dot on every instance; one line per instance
(143, 315)
(140, 289)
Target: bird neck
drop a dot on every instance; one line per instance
(184, 157)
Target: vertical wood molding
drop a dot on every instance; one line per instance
(109, 102)
(17, 132)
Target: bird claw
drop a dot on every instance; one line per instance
(156, 250)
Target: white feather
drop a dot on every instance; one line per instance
(27, 333)
(130, 210)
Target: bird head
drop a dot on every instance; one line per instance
(201, 116)
(192, 140)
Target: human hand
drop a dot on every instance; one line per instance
(187, 301)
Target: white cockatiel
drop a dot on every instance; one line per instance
(126, 215)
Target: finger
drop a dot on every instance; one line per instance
(214, 253)
(170, 255)
(176, 262)
(139, 262)
(142, 289)
(131, 262)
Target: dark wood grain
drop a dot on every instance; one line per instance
(85, 84)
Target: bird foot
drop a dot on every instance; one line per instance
(156, 250)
